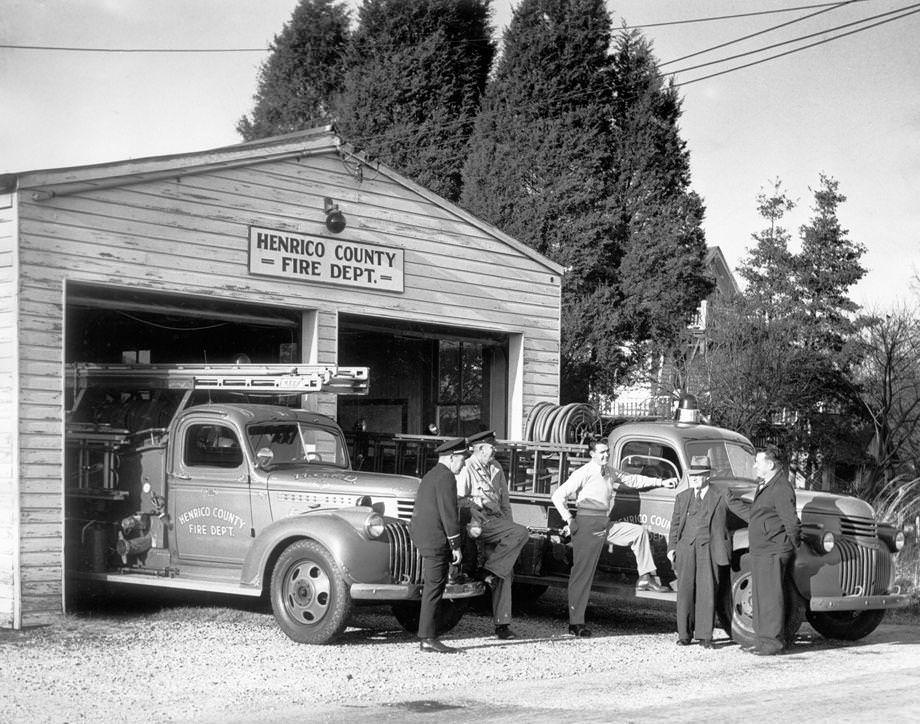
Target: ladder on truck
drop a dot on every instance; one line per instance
(256, 379)
(277, 378)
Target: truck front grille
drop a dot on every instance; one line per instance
(404, 508)
(858, 528)
(405, 559)
(863, 570)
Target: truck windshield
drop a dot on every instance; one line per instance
(729, 460)
(293, 443)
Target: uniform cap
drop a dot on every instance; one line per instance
(487, 436)
(699, 464)
(457, 445)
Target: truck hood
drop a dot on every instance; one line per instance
(811, 501)
(317, 477)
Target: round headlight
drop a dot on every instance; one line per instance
(828, 542)
(374, 526)
(899, 540)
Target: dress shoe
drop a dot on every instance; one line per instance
(503, 632)
(579, 630)
(434, 645)
(683, 642)
(647, 582)
(707, 644)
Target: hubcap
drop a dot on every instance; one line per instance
(307, 590)
(742, 602)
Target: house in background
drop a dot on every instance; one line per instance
(657, 391)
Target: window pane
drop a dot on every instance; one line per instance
(448, 372)
(472, 373)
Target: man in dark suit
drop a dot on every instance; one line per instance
(773, 534)
(698, 545)
(435, 529)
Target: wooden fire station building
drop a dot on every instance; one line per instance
(293, 250)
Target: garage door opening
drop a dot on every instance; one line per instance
(424, 379)
(116, 325)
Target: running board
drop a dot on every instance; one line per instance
(183, 583)
(601, 585)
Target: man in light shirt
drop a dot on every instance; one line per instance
(593, 486)
(481, 485)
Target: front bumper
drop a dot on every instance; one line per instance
(858, 603)
(411, 591)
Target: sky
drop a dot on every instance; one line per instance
(849, 108)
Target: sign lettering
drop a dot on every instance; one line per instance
(348, 263)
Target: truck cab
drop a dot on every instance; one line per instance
(238, 497)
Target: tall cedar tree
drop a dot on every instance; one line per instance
(769, 268)
(661, 274)
(416, 71)
(827, 266)
(539, 163)
(302, 74)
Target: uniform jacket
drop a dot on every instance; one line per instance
(435, 526)
(485, 488)
(714, 504)
(773, 525)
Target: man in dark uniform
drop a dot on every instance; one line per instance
(481, 485)
(698, 546)
(435, 529)
(774, 532)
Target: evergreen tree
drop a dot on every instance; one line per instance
(661, 277)
(416, 70)
(577, 154)
(302, 74)
(769, 268)
(829, 265)
(539, 161)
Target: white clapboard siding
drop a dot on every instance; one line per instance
(180, 225)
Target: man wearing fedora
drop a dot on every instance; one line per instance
(481, 485)
(435, 530)
(699, 549)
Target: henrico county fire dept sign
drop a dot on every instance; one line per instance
(331, 261)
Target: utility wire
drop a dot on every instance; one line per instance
(74, 49)
(796, 50)
(800, 38)
(760, 32)
(738, 15)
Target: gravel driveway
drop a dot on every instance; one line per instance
(209, 664)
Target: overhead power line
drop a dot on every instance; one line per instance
(759, 32)
(804, 47)
(84, 49)
(738, 15)
(800, 38)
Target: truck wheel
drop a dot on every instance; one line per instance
(846, 625)
(738, 608)
(450, 611)
(309, 595)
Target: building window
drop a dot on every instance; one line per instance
(459, 388)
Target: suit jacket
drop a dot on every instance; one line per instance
(773, 524)
(435, 527)
(714, 506)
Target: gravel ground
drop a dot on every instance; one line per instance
(172, 662)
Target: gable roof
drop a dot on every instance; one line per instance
(45, 184)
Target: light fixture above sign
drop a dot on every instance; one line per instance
(335, 219)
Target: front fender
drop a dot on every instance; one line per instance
(341, 532)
